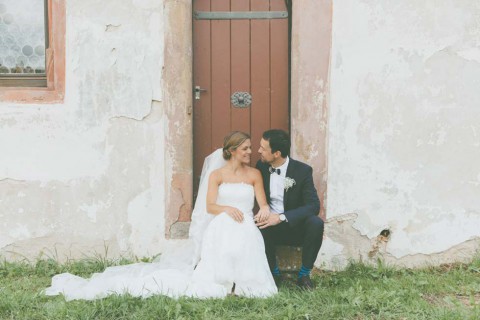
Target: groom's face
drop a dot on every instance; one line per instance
(265, 152)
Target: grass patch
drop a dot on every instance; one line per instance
(359, 292)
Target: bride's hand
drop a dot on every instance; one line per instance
(262, 214)
(234, 213)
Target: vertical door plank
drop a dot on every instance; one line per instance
(240, 65)
(260, 76)
(220, 75)
(279, 68)
(202, 123)
(239, 55)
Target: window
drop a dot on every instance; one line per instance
(32, 51)
(23, 41)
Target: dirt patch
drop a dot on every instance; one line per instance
(469, 301)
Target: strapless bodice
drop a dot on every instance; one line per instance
(239, 195)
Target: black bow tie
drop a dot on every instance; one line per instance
(273, 170)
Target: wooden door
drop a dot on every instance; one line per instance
(238, 55)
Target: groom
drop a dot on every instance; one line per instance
(294, 205)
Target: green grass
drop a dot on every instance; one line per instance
(359, 292)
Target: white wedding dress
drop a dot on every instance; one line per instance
(220, 252)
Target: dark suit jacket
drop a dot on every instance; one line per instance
(300, 201)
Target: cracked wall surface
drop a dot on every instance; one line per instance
(396, 109)
(404, 131)
(88, 174)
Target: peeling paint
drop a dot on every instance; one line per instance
(393, 117)
(177, 77)
(343, 244)
(111, 27)
(87, 164)
(403, 137)
(310, 63)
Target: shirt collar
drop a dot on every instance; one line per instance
(284, 166)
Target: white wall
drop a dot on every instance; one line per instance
(404, 129)
(89, 172)
(403, 140)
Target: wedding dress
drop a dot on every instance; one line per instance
(220, 253)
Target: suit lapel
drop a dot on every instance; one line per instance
(266, 182)
(289, 173)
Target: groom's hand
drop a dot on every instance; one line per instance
(262, 214)
(273, 220)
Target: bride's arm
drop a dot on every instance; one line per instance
(264, 211)
(212, 207)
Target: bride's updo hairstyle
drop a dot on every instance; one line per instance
(232, 141)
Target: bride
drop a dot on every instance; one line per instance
(225, 253)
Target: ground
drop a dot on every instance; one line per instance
(359, 292)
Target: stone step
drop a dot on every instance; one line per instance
(289, 259)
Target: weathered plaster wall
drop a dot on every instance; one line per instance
(178, 104)
(310, 56)
(404, 131)
(111, 166)
(89, 172)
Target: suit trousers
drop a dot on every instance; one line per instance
(307, 234)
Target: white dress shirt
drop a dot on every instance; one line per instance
(277, 186)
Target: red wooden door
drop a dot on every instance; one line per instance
(238, 55)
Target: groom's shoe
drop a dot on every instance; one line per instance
(305, 283)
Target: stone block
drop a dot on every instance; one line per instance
(289, 258)
(179, 230)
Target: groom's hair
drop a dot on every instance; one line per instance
(278, 140)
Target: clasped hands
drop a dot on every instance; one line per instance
(263, 219)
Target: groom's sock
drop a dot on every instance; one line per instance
(276, 271)
(304, 272)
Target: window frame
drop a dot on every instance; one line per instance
(54, 90)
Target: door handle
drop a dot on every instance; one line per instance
(197, 91)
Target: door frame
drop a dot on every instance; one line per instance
(311, 43)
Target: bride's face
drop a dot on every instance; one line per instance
(243, 152)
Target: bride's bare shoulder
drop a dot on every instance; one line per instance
(216, 175)
(253, 173)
